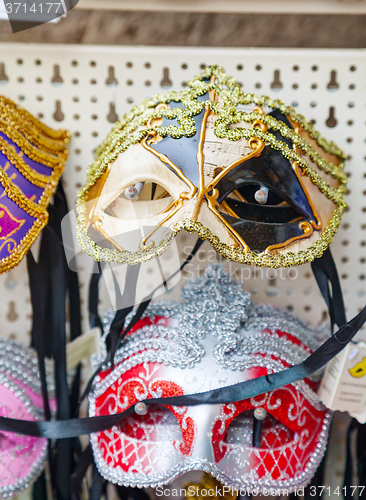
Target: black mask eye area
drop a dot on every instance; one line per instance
(247, 192)
(255, 202)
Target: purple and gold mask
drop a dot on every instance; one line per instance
(32, 159)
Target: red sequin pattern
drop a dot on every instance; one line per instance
(133, 444)
(290, 433)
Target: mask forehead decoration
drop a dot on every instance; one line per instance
(216, 337)
(244, 172)
(32, 159)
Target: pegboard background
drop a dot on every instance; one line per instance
(85, 89)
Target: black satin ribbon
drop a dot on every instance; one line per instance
(93, 298)
(326, 275)
(85, 460)
(97, 487)
(58, 288)
(38, 284)
(257, 433)
(349, 491)
(61, 212)
(145, 303)
(59, 217)
(361, 459)
(51, 281)
(125, 303)
(223, 395)
(63, 284)
(348, 472)
(119, 319)
(47, 280)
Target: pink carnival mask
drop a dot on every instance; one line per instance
(216, 337)
(22, 458)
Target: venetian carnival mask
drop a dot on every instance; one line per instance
(244, 172)
(32, 159)
(22, 458)
(216, 337)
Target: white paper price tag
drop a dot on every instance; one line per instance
(82, 348)
(343, 386)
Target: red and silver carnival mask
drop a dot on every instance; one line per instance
(216, 337)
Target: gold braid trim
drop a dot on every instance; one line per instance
(243, 98)
(335, 194)
(41, 218)
(15, 194)
(44, 157)
(222, 129)
(12, 107)
(33, 176)
(34, 135)
(112, 254)
(288, 259)
(52, 153)
(324, 164)
(231, 97)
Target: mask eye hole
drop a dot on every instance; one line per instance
(249, 194)
(159, 424)
(141, 200)
(152, 191)
(259, 203)
(274, 433)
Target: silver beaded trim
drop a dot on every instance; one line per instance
(22, 484)
(251, 484)
(213, 304)
(22, 363)
(216, 305)
(158, 344)
(164, 309)
(265, 317)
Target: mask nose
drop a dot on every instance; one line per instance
(216, 225)
(204, 417)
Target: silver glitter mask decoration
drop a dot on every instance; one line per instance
(216, 337)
